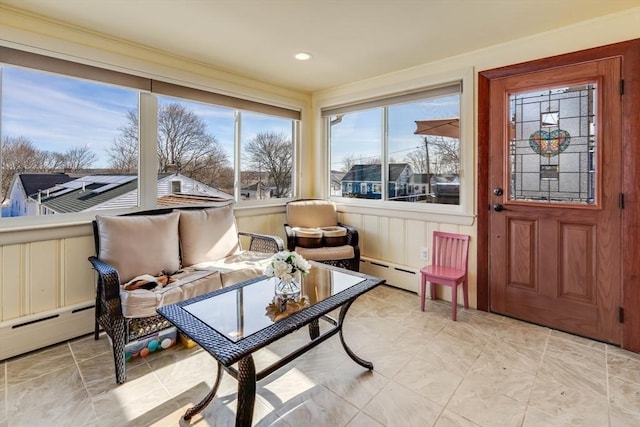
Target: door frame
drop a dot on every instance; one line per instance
(629, 51)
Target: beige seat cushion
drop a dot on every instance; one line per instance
(308, 237)
(239, 267)
(208, 234)
(135, 245)
(189, 283)
(334, 236)
(327, 253)
(311, 213)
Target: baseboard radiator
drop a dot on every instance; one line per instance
(400, 276)
(28, 333)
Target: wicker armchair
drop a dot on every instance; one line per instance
(314, 232)
(109, 308)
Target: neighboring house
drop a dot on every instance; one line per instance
(258, 191)
(365, 181)
(336, 182)
(98, 192)
(446, 189)
(420, 186)
(24, 190)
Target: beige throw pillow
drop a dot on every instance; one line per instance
(208, 234)
(135, 245)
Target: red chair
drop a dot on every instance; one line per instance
(448, 268)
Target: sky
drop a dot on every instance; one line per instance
(57, 113)
(360, 132)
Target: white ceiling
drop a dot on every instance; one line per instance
(350, 40)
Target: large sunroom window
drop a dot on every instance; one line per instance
(403, 148)
(76, 138)
(58, 139)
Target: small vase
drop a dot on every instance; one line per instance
(290, 290)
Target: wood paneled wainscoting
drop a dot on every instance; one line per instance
(46, 290)
(47, 285)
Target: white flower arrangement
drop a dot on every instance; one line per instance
(285, 264)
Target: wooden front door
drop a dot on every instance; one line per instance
(555, 177)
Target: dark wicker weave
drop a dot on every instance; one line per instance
(227, 352)
(108, 309)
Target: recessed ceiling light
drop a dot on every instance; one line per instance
(302, 56)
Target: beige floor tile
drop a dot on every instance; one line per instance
(483, 370)
(180, 371)
(495, 410)
(493, 394)
(38, 363)
(576, 347)
(594, 345)
(405, 301)
(526, 359)
(430, 375)
(421, 326)
(624, 395)
(396, 405)
(98, 373)
(86, 347)
(387, 359)
(572, 377)
(363, 420)
(3, 406)
(624, 366)
(138, 401)
(284, 386)
(522, 334)
(537, 418)
(57, 398)
(354, 384)
(562, 397)
(451, 419)
(461, 353)
(624, 417)
(490, 378)
(317, 406)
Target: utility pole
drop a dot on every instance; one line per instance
(426, 149)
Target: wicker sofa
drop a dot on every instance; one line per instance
(197, 248)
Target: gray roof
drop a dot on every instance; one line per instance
(81, 199)
(34, 182)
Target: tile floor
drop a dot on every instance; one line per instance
(483, 370)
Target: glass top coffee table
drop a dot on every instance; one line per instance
(234, 322)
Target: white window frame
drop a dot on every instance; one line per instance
(148, 90)
(463, 213)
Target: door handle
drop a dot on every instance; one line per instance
(499, 208)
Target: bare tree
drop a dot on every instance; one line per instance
(76, 158)
(123, 153)
(272, 153)
(183, 145)
(418, 160)
(19, 155)
(445, 154)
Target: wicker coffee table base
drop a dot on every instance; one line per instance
(247, 377)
